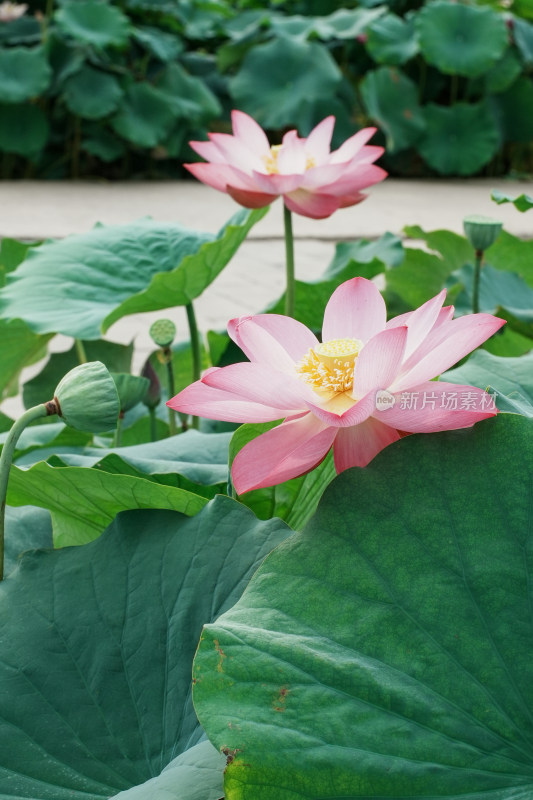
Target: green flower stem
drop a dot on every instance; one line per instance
(43, 410)
(80, 351)
(196, 351)
(477, 275)
(117, 439)
(153, 424)
(167, 355)
(289, 262)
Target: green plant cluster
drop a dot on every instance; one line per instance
(91, 87)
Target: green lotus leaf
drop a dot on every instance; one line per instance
(278, 78)
(510, 379)
(26, 528)
(385, 651)
(24, 129)
(522, 202)
(163, 45)
(391, 100)
(96, 651)
(103, 144)
(145, 116)
(504, 73)
(514, 111)
(454, 249)
(497, 291)
(24, 73)
(523, 36)
(188, 95)
(95, 23)
(20, 348)
(348, 23)
(459, 140)
(93, 279)
(392, 40)
(91, 93)
(511, 254)
(419, 277)
(460, 39)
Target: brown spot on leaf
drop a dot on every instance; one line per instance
(221, 655)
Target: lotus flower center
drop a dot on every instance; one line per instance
(330, 366)
(271, 160)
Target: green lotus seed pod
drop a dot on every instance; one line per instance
(87, 398)
(481, 232)
(131, 389)
(163, 332)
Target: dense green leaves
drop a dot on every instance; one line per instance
(385, 650)
(461, 39)
(24, 73)
(392, 40)
(144, 117)
(460, 139)
(277, 79)
(93, 279)
(94, 23)
(24, 129)
(96, 651)
(91, 93)
(20, 347)
(523, 202)
(391, 99)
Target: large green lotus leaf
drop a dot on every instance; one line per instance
(53, 435)
(459, 140)
(94, 23)
(523, 36)
(296, 500)
(24, 73)
(26, 528)
(163, 45)
(504, 73)
(514, 111)
(385, 651)
(96, 652)
(391, 100)
(497, 290)
(388, 249)
(90, 280)
(522, 202)
(421, 276)
(12, 253)
(24, 129)
(20, 347)
(188, 95)
(91, 93)
(512, 254)
(278, 78)
(145, 115)
(116, 357)
(508, 343)
(392, 40)
(199, 458)
(460, 39)
(456, 250)
(348, 23)
(510, 379)
(83, 501)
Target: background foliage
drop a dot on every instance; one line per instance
(96, 87)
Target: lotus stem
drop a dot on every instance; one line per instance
(289, 262)
(80, 351)
(167, 356)
(117, 439)
(6, 459)
(196, 352)
(475, 286)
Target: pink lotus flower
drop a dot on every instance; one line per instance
(312, 180)
(367, 384)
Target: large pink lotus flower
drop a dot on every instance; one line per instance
(312, 180)
(367, 384)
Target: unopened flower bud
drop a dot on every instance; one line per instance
(87, 398)
(131, 389)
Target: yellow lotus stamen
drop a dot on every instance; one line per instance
(271, 160)
(330, 366)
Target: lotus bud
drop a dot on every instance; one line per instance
(163, 332)
(152, 398)
(481, 232)
(87, 398)
(131, 389)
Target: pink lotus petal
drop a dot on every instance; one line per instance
(209, 151)
(356, 447)
(272, 339)
(235, 152)
(248, 131)
(356, 310)
(437, 406)
(354, 415)
(220, 176)
(352, 146)
(285, 452)
(201, 400)
(320, 176)
(250, 199)
(379, 361)
(311, 204)
(317, 144)
(276, 183)
(419, 322)
(462, 336)
(262, 384)
(355, 179)
(292, 157)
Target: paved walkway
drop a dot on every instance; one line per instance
(37, 210)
